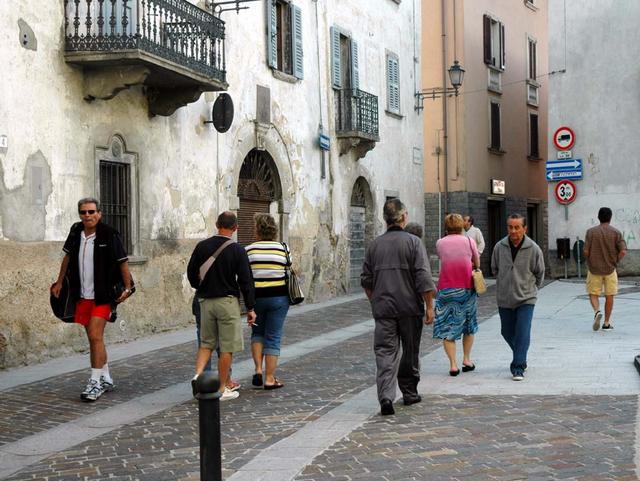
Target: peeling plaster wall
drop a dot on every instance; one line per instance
(597, 98)
(187, 171)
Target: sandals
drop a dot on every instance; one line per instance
(276, 385)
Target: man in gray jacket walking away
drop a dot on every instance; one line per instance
(397, 279)
(518, 265)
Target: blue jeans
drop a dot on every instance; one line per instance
(195, 309)
(270, 315)
(516, 330)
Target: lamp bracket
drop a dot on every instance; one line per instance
(433, 93)
(219, 7)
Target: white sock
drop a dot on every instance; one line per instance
(95, 374)
(105, 372)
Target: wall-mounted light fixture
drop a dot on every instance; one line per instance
(218, 7)
(456, 77)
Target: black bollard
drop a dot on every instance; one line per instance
(208, 397)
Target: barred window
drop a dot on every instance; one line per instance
(116, 186)
(115, 198)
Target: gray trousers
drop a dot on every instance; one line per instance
(390, 335)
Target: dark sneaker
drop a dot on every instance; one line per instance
(596, 320)
(386, 407)
(409, 400)
(194, 386)
(107, 385)
(92, 391)
(607, 327)
(518, 376)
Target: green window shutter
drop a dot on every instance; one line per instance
(298, 63)
(355, 75)
(393, 84)
(336, 68)
(272, 34)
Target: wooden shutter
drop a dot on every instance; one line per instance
(393, 84)
(248, 207)
(486, 32)
(495, 125)
(336, 67)
(298, 64)
(272, 34)
(533, 136)
(503, 49)
(355, 75)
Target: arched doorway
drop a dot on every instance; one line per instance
(360, 229)
(258, 188)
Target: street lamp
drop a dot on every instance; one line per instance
(456, 76)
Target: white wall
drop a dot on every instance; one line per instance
(599, 98)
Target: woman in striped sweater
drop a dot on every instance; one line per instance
(268, 259)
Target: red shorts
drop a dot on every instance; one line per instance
(86, 309)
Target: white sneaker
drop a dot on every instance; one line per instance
(92, 392)
(228, 394)
(107, 385)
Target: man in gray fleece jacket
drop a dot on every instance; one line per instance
(518, 265)
(397, 279)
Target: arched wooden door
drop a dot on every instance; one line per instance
(360, 230)
(258, 187)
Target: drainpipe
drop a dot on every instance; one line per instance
(445, 150)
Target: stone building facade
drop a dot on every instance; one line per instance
(109, 98)
(486, 145)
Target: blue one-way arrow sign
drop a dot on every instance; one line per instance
(560, 169)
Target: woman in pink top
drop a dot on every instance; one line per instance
(455, 315)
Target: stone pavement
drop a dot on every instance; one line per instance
(574, 417)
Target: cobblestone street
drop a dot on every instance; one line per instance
(573, 418)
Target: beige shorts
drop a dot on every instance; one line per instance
(596, 284)
(220, 324)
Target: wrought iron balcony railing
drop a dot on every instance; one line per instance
(357, 114)
(174, 30)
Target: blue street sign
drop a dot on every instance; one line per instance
(324, 141)
(561, 169)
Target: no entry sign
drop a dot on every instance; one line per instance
(565, 192)
(564, 138)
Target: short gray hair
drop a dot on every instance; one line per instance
(415, 229)
(517, 216)
(393, 211)
(89, 200)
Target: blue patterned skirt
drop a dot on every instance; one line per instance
(455, 314)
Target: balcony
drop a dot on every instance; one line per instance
(356, 121)
(172, 47)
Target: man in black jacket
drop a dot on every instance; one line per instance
(96, 261)
(218, 293)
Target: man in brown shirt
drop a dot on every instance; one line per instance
(604, 247)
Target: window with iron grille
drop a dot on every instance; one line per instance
(115, 198)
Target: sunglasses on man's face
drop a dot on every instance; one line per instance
(85, 212)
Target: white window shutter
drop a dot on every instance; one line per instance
(298, 59)
(272, 34)
(503, 48)
(336, 67)
(393, 84)
(355, 74)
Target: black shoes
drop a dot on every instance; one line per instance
(256, 381)
(466, 368)
(408, 401)
(607, 327)
(386, 407)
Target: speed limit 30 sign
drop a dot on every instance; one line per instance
(565, 192)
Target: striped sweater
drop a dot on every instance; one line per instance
(268, 260)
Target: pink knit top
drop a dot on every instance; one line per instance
(456, 253)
